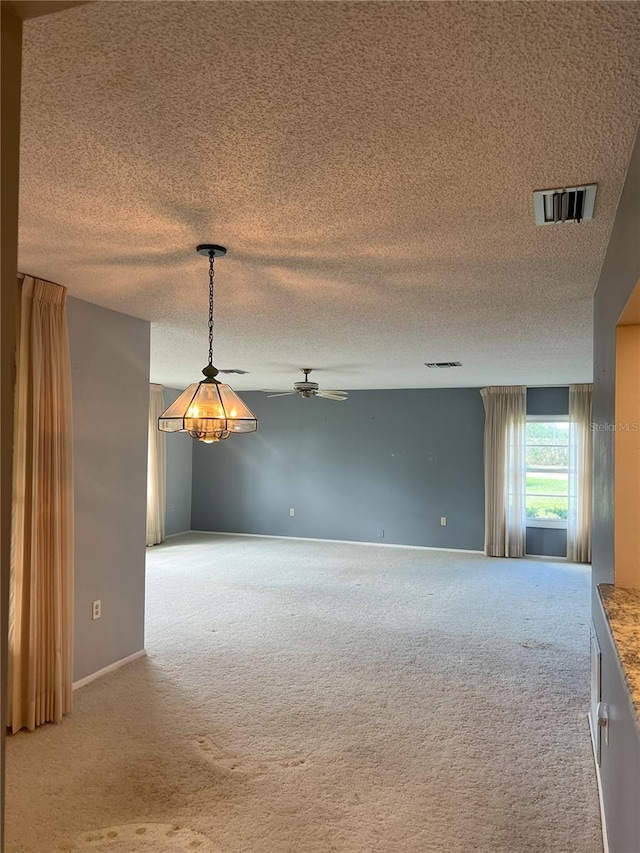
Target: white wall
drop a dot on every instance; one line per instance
(110, 386)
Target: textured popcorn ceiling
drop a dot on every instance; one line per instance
(369, 166)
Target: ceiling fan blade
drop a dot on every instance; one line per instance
(281, 393)
(329, 396)
(335, 391)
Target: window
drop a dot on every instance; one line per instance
(547, 460)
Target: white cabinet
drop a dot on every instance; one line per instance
(616, 741)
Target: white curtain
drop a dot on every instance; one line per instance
(156, 476)
(580, 473)
(41, 571)
(505, 470)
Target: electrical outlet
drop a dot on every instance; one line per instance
(96, 609)
(443, 520)
(292, 511)
(381, 534)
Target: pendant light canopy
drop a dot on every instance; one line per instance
(209, 410)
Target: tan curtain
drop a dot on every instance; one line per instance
(156, 476)
(505, 470)
(41, 579)
(580, 473)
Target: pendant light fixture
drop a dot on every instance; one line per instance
(208, 410)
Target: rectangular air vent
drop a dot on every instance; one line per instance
(234, 370)
(443, 364)
(573, 204)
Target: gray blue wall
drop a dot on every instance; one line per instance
(618, 278)
(547, 541)
(179, 460)
(548, 401)
(619, 275)
(385, 460)
(110, 387)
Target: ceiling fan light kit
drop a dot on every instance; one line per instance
(308, 389)
(209, 410)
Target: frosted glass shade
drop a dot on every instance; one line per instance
(208, 411)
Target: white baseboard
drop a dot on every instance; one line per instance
(603, 819)
(337, 541)
(547, 559)
(87, 679)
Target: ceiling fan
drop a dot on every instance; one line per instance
(308, 389)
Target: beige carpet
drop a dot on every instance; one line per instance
(306, 697)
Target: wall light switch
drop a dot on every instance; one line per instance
(96, 609)
(443, 520)
(292, 511)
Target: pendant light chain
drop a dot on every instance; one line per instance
(211, 257)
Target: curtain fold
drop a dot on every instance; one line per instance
(156, 473)
(580, 473)
(41, 571)
(505, 470)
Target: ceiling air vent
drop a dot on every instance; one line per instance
(443, 364)
(573, 204)
(234, 370)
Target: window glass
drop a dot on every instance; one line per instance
(547, 459)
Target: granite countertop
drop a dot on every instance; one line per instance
(622, 609)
